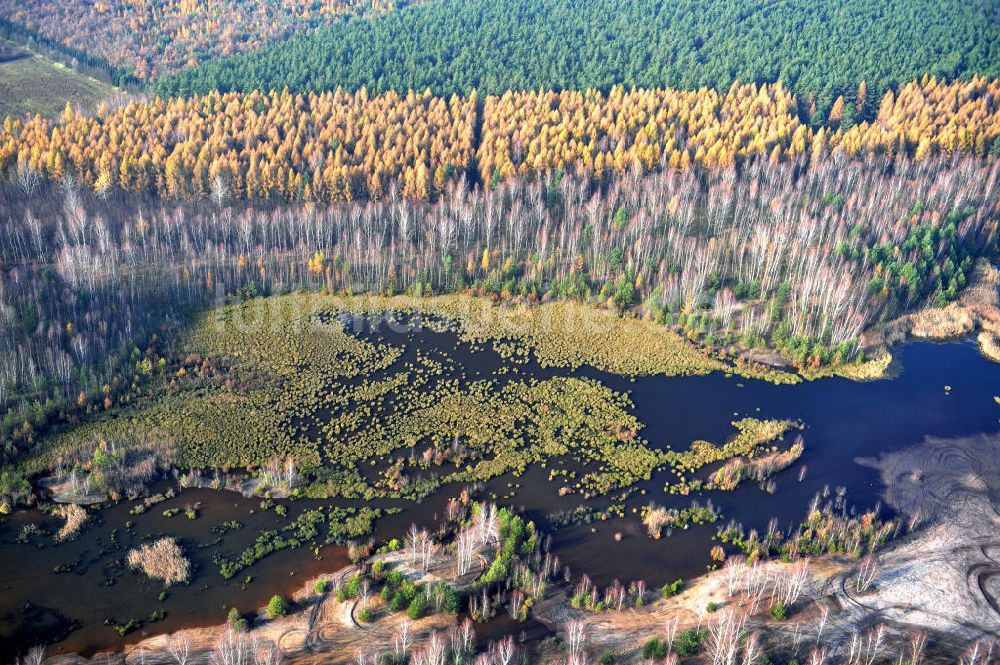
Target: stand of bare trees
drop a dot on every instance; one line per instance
(91, 290)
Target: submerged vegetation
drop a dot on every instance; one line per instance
(293, 381)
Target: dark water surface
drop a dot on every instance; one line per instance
(843, 420)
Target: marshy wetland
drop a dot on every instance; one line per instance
(350, 419)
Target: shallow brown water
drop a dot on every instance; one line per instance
(100, 586)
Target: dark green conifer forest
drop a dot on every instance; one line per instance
(816, 47)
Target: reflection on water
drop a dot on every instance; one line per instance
(843, 419)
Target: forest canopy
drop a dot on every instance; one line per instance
(338, 146)
(815, 47)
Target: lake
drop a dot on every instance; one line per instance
(843, 420)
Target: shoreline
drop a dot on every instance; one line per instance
(321, 629)
(976, 313)
(216, 627)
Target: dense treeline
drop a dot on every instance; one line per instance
(143, 39)
(524, 132)
(643, 129)
(802, 256)
(328, 147)
(453, 46)
(339, 146)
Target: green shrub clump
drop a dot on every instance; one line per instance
(276, 607)
(236, 620)
(690, 641)
(418, 606)
(672, 588)
(655, 648)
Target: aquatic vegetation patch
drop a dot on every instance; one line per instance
(282, 334)
(752, 434)
(866, 370)
(584, 514)
(729, 475)
(294, 387)
(343, 523)
(657, 518)
(485, 433)
(214, 428)
(76, 517)
(566, 334)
